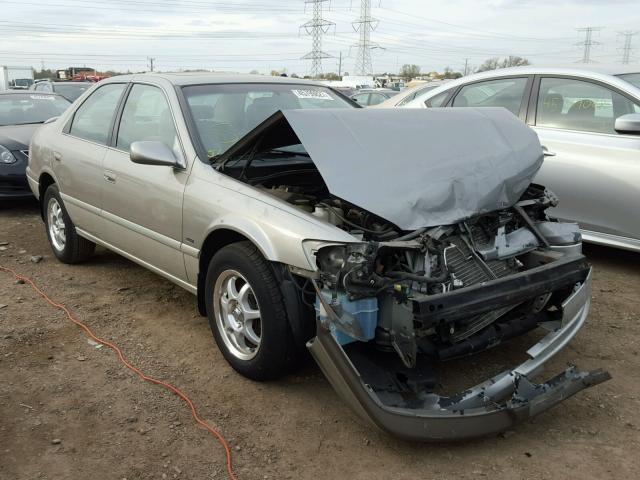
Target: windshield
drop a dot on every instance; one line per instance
(223, 114)
(71, 90)
(30, 108)
(632, 78)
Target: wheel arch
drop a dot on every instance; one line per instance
(299, 316)
(44, 182)
(216, 240)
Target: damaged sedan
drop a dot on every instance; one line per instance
(386, 242)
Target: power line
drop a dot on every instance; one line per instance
(316, 27)
(364, 25)
(626, 49)
(588, 42)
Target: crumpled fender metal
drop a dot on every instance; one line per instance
(488, 408)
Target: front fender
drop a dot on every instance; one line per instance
(254, 232)
(213, 201)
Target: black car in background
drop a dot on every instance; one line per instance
(21, 113)
(69, 90)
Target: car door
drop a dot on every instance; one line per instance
(78, 154)
(142, 204)
(511, 93)
(594, 170)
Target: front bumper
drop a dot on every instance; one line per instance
(490, 407)
(13, 178)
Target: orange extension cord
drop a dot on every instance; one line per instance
(138, 372)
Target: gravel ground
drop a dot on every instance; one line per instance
(68, 410)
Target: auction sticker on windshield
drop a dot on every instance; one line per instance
(42, 97)
(314, 94)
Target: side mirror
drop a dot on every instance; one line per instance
(629, 123)
(153, 153)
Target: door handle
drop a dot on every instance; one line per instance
(57, 156)
(547, 153)
(110, 177)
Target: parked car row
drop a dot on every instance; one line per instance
(297, 224)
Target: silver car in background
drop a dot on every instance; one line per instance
(588, 121)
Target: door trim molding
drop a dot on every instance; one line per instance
(80, 204)
(145, 232)
(181, 283)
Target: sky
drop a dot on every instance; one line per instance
(265, 35)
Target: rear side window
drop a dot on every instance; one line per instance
(438, 100)
(572, 104)
(505, 92)
(93, 118)
(147, 117)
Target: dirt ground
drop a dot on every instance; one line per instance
(68, 410)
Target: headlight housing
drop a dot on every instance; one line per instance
(311, 248)
(6, 157)
(331, 256)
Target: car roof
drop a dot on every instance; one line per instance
(199, 78)
(28, 92)
(64, 82)
(573, 69)
(383, 90)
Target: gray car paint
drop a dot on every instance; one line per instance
(432, 178)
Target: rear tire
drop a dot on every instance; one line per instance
(247, 313)
(67, 245)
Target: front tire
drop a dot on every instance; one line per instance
(67, 245)
(247, 314)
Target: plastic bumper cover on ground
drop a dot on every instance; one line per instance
(490, 407)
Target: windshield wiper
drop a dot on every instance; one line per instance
(279, 151)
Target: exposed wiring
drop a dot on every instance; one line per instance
(355, 225)
(134, 369)
(302, 289)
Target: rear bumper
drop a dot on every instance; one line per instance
(490, 407)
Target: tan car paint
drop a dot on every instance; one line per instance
(159, 216)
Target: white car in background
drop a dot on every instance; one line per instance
(588, 122)
(410, 93)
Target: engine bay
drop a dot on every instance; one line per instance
(370, 290)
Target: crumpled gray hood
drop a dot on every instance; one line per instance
(420, 167)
